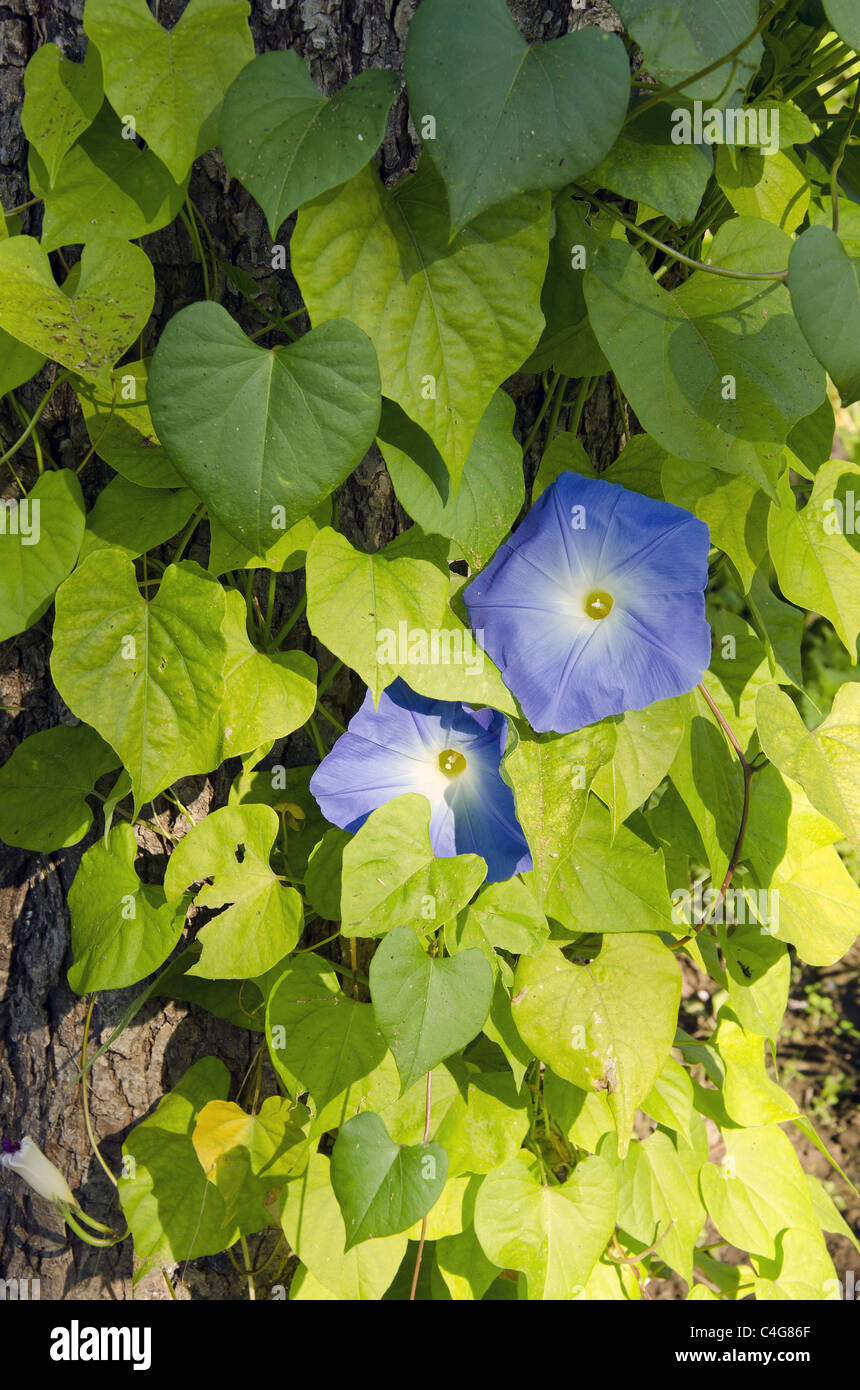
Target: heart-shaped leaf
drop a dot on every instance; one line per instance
(104, 185)
(40, 540)
(145, 674)
(172, 82)
(519, 118)
(825, 294)
(718, 371)
(262, 436)
(122, 929)
(89, 329)
(826, 760)
(607, 1025)
(383, 1187)
(266, 695)
(390, 872)
(120, 427)
(287, 144)
(313, 1225)
(355, 600)
(384, 260)
(555, 1235)
(263, 917)
(45, 783)
(61, 99)
(246, 1156)
(317, 1035)
(680, 39)
(426, 1008)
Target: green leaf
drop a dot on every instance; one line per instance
(812, 901)
(673, 352)
(391, 875)
(645, 166)
(758, 1190)
(17, 363)
(384, 259)
(61, 99)
(105, 186)
(172, 82)
(822, 276)
(324, 872)
(679, 40)
(658, 1199)
(315, 1230)
(480, 1119)
(135, 519)
(550, 776)
(245, 1156)
(286, 144)
(263, 920)
(262, 436)
(708, 777)
(357, 602)
(555, 1235)
(733, 509)
(779, 624)
(670, 1101)
(145, 673)
(749, 1095)
(45, 783)
(266, 695)
(645, 745)
(464, 1267)
(90, 328)
(607, 1025)
(316, 1034)
(843, 16)
(772, 186)
(287, 554)
(826, 760)
(122, 929)
(426, 1009)
(381, 1187)
(811, 440)
(610, 884)
(40, 539)
(523, 116)
(816, 564)
(173, 1213)
(504, 915)
(568, 343)
(121, 430)
(491, 490)
(758, 975)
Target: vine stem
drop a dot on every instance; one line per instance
(665, 92)
(547, 401)
(420, 1254)
(679, 255)
(840, 155)
(37, 414)
(87, 1121)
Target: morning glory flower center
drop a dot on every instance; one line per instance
(598, 604)
(451, 762)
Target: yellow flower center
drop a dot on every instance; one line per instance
(451, 762)
(598, 604)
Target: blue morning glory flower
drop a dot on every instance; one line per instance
(443, 750)
(596, 604)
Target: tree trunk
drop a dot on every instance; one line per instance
(41, 1020)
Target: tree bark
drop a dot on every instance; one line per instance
(41, 1020)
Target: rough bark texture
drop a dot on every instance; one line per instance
(41, 1020)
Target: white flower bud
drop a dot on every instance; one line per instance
(31, 1164)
